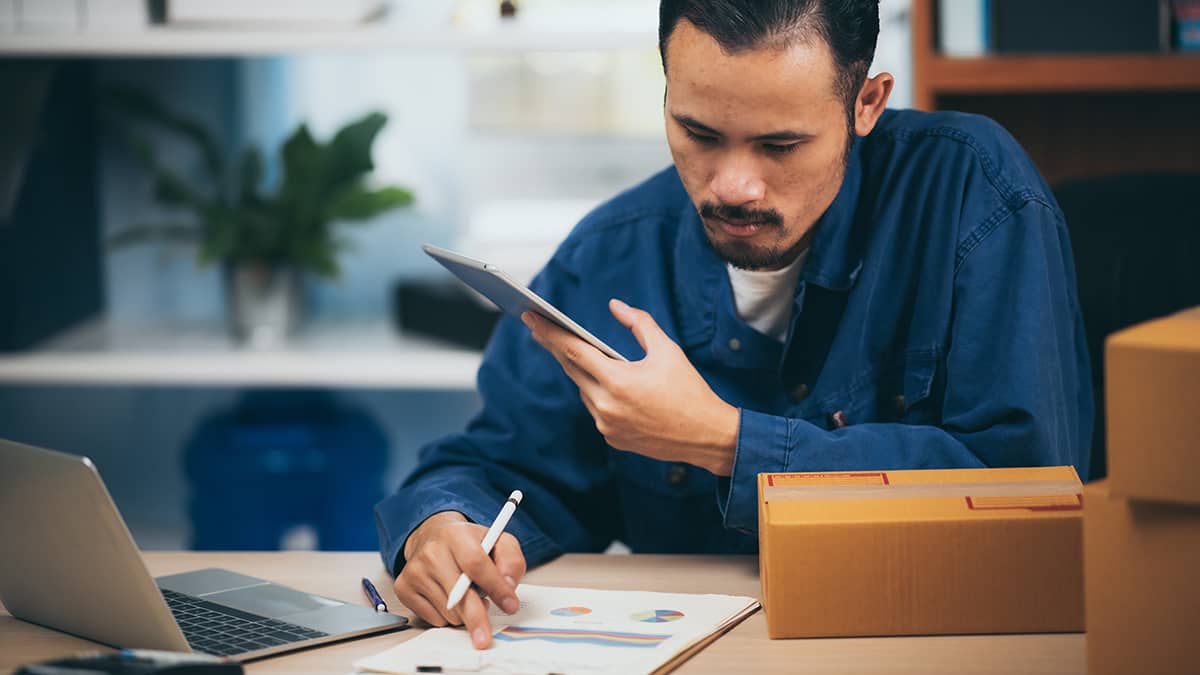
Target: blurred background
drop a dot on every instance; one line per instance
(211, 213)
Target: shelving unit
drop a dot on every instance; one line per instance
(194, 42)
(1076, 115)
(326, 355)
(1029, 74)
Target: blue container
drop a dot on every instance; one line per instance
(279, 460)
(1188, 31)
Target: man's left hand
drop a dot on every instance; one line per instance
(659, 406)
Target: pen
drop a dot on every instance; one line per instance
(373, 595)
(489, 540)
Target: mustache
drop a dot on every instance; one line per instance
(741, 214)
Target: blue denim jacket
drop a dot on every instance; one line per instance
(936, 324)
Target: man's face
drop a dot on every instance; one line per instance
(760, 142)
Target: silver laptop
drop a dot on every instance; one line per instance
(69, 563)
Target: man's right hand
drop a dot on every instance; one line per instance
(445, 545)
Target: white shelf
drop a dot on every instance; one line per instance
(326, 355)
(168, 41)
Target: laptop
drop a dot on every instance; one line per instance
(69, 563)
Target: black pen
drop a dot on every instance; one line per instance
(373, 595)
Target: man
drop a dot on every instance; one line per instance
(816, 284)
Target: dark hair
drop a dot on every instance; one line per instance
(849, 27)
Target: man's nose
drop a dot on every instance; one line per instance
(736, 182)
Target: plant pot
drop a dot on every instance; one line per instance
(262, 302)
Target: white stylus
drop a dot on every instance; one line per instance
(489, 540)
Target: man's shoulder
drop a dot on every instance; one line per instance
(640, 212)
(945, 139)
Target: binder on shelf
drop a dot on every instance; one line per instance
(1186, 15)
(1076, 26)
(963, 27)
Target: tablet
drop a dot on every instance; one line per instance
(510, 295)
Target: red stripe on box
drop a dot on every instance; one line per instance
(1077, 506)
(882, 475)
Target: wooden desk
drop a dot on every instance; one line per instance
(745, 649)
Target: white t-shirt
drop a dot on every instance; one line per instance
(764, 299)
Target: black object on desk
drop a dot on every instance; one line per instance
(443, 308)
(134, 662)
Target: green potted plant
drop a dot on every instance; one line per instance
(266, 242)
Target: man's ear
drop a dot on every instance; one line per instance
(871, 101)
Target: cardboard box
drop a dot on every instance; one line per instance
(1152, 390)
(921, 552)
(1143, 599)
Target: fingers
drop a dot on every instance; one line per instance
(413, 600)
(475, 616)
(434, 568)
(470, 558)
(510, 560)
(440, 573)
(640, 323)
(567, 348)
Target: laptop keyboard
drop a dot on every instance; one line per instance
(224, 631)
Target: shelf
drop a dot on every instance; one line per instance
(1062, 73)
(367, 355)
(168, 41)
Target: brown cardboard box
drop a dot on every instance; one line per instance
(1152, 390)
(1141, 561)
(921, 552)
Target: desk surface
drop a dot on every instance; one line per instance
(745, 649)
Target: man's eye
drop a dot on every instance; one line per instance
(699, 138)
(777, 149)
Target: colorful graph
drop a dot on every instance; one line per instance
(571, 611)
(602, 638)
(657, 615)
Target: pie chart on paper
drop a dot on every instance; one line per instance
(657, 615)
(571, 611)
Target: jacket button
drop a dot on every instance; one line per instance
(838, 420)
(799, 392)
(734, 344)
(676, 474)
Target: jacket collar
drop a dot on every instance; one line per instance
(833, 261)
(836, 254)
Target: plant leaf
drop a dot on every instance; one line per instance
(348, 155)
(317, 255)
(138, 234)
(357, 203)
(224, 237)
(172, 190)
(301, 156)
(142, 149)
(299, 194)
(250, 174)
(140, 105)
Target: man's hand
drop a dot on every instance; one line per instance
(659, 407)
(442, 547)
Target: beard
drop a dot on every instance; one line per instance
(746, 255)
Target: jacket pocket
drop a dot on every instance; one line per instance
(898, 391)
(666, 507)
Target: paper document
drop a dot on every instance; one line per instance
(574, 630)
